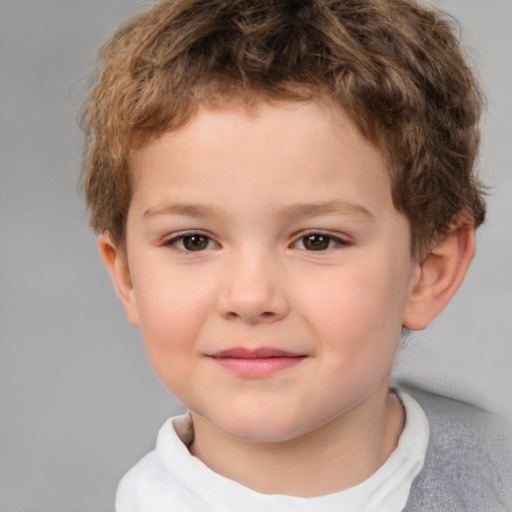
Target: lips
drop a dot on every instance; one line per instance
(256, 363)
(258, 353)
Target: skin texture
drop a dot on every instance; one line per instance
(251, 187)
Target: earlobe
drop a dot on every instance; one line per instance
(440, 274)
(115, 260)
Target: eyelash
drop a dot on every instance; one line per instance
(174, 241)
(331, 240)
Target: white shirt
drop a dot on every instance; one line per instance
(171, 479)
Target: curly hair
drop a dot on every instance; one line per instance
(394, 66)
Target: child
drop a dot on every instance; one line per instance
(279, 188)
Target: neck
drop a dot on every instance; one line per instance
(339, 455)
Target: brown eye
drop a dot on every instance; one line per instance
(195, 242)
(191, 242)
(317, 242)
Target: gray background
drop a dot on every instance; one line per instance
(79, 403)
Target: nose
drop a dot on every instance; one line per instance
(253, 290)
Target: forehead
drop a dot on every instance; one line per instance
(277, 154)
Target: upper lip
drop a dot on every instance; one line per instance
(257, 353)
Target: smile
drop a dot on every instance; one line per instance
(258, 363)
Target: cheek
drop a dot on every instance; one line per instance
(356, 312)
(172, 308)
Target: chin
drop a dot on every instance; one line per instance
(261, 428)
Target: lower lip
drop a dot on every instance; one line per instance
(257, 367)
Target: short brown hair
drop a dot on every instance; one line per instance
(394, 66)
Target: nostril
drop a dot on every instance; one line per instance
(252, 318)
(252, 299)
(265, 314)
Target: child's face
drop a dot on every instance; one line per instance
(269, 234)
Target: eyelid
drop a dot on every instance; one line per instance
(170, 241)
(340, 239)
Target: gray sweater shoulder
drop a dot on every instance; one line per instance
(468, 464)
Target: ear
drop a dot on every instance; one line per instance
(115, 260)
(440, 274)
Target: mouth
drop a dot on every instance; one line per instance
(257, 363)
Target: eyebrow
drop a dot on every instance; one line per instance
(185, 210)
(296, 211)
(338, 207)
